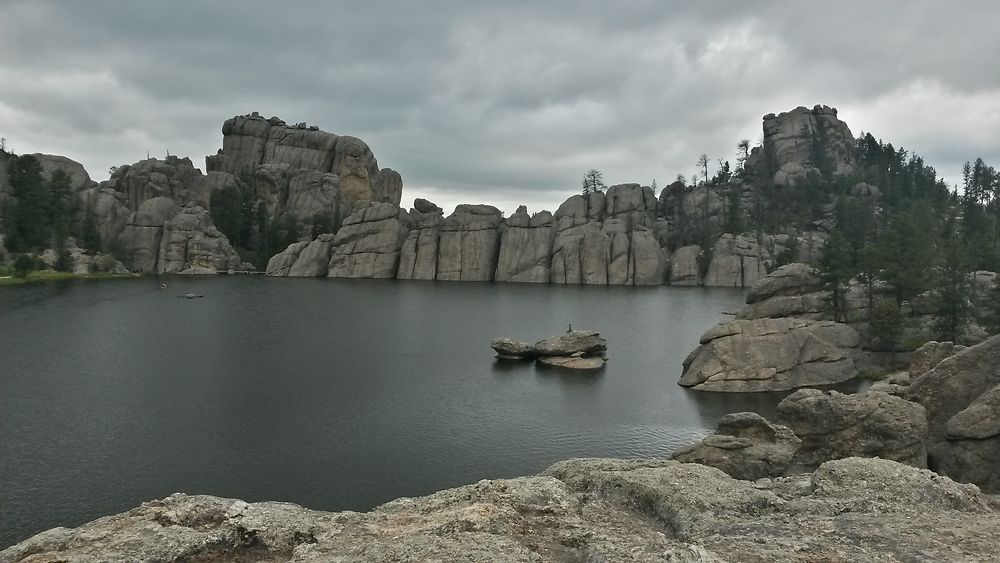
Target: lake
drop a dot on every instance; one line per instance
(333, 394)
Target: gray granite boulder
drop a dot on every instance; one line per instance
(684, 266)
(746, 446)
(833, 425)
(737, 261)
(313, 260)
(771, 355)
(282, 262)
(587, 342)
(508, 348)
(962, 396)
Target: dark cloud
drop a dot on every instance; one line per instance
(497, 101)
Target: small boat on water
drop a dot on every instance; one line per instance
(191, 296)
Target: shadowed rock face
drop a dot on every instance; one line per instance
(578, 510)
(962, 396)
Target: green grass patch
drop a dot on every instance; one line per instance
(50, 275)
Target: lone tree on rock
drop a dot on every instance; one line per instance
(593, 182)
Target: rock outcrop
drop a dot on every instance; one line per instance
(745, 446)
(577, 349)
(833, 425)
(793, 290)
(368, 245)
(802, 141)
(685, 265)
(79, 179)
(526, 248)
(301, 170)
(468, 244)
(281, 263)
(771, 355)
(962, 396)
(578, 510)
(165, 238)
(736, 262)
(313, 260)
(419, 255)
(190, 240)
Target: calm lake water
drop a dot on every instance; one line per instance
(333, 394)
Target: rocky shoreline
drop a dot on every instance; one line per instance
(851, 509)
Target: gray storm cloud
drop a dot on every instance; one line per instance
(497, 102)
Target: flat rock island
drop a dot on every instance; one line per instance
(577, 349)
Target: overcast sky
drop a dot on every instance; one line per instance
(497, 102)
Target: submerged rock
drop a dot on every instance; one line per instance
(573, 362)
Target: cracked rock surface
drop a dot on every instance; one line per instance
(578, 510)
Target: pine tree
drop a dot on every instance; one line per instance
(991, 322)
(593, 181)
(887, 325)
(835, 271)
(951, 293)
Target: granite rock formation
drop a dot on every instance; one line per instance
(745, 445)
(771, 355)
(578, 510)
(833, 425)
(962, 396)
(468, 244)
(368, 245)
(802, 141)
(301, 171)
(577, 349)
(526, 248)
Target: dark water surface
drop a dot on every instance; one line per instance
(333, 394)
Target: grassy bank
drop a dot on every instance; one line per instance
(49, 275)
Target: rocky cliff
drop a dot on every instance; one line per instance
(280, 185)
(578, 510)
(301, 171)
(625, 236)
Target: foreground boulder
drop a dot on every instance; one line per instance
(746, 446)
(833, 425)
(578, 510)
(771, 355)
(962, 396)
